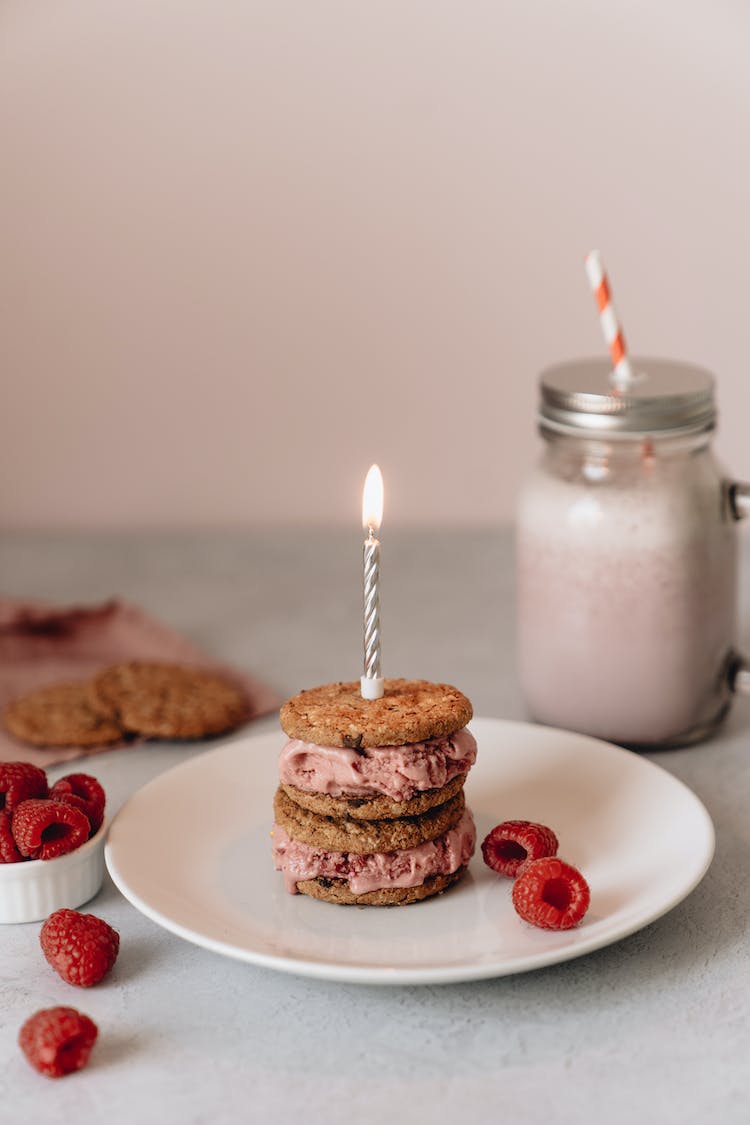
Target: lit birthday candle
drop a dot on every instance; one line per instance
(372, 515)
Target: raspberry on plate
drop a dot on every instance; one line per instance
(514, 842)
(82, 792)
(9, 853)
(19, 781)
(551, 894)
(80, 947)
(57, 1041)
(45, 829)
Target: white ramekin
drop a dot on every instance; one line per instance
(32, 889)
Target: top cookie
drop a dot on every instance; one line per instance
(409, 711)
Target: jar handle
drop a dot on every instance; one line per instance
(739, 676)
(739, 499)
(738, 670)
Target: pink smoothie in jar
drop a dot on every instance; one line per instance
(626, 553)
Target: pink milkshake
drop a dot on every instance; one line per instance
(627, 559)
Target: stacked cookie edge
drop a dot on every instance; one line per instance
(370, 809)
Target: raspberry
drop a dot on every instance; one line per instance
(514, 842)
(57, 1041)
(83, 792)
(9, 853)
(551, 894)
(19, 781)
(80, 947)
(46, 829)
(73, 802)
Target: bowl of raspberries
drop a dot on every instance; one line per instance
(51, 841)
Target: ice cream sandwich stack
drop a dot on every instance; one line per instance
(370, 806)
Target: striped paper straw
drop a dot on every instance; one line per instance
(623, 372)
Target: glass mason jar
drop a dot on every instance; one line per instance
(627, 558)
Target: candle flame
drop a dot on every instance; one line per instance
(372, 500)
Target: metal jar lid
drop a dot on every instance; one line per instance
(667, 398)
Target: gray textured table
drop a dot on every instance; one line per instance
(655, 1028)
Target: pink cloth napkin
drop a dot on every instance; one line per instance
(42, 644)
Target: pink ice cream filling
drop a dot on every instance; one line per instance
(397, 772)
(406, 868)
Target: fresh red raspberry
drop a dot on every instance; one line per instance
(9, 853)
(80, 947)
(74, 803)
(46, 829)
(19, 781)
(57, 1041)
(551, 894)
(83, 792)
(514, 842)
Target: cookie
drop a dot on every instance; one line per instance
(170, 700)
(337, 890)
(67, 714)
(409, 711)
(365, 836)
(374, 808)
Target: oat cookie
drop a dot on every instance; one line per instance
(374, 808)
(365, 836)
(67, 714)
(170, 700)
(409, 711)
(337, 890)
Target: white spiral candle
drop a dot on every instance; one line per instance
(372, 514)
(372, 606)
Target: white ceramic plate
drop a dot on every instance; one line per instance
(192, 851)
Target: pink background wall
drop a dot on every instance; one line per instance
(248, 248)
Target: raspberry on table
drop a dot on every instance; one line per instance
(9, 853)
(514, 842)
(57, 1041)
(82, 792)
(551, 894)
(44, 829)
(80, 947)
(20, 781)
